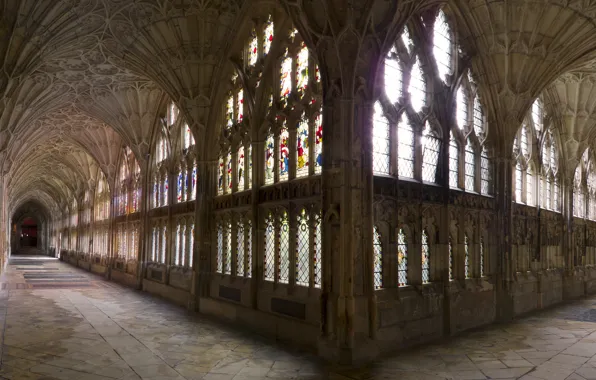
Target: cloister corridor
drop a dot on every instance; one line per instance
(60, 322)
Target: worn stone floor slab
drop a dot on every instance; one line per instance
(87, 329)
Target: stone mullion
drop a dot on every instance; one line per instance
(417, 130)
(234, 171)
(234, 248)
(276, 261)
(311, 246)
(292, 151)
(312, 136)
(187, 248)
(393, 145)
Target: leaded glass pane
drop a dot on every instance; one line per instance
(478, 117)
(485, 173)
(442, 46)
(248, 269)
(284, 154)
(461, 108)
(302, 70)
(177, 247)
(378, 258)
(284, 249)
(240, 248)
(240, 168)
(556, 195)
(425, 258)
(248, 179)
(417, 87)
(537, 115)
(524, 140)
(402, 259)
(518, 183)
(431, 146)
(267, 36)
(180, 187)
(228, 250)
(319, 142)
(318, 247)
(285, 78)
(269, 259)
(230, 111)
(193, 193)
(253, 48)
(547, 188)
(393, 77)
(529, 188)
(269, 159)
(302, 147)
(240, 106)
(229, 175)
(405, 150)
(302, 249)
(466, 257)
(380, 141)
(470, 167)
(191, 246)
(453, 163)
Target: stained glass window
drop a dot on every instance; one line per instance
(285, 78)
(229, 176)
(284, 154)
(378, 258)
(302, 70)
(380, 141)
(193, 192)
(417, 87)
(269, 259)
(317, 263)
(228, 249)
(537, 115)
(462, 108)
(405, 151)
(240, 106)
(164, 233)
(189, 140)
(393, 77)
(450, 259)
(191, 246)
(425, 258)
(467, 256)
(253, 48)
(442, 46)
(302, 147)
(240, 248)
(166, 188)
(269, 159)
(319, 142)
(180, 186)
(284, 249)
(219, 248)
(431, 147)
(470, 167)
(240, 168)
(453, 163)
(267, 36)
(302, 248)
(402, 259)
(172, 114)
(230, 111)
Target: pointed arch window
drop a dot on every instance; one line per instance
(417, 87)
(380, 141)
(578, 193)
(393, 76)
(442, 46)
(461, 108)
(268, 34)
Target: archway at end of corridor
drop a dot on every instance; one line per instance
(29, 230)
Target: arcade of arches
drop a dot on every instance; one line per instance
(350, 176)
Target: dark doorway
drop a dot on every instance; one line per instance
(29, 233)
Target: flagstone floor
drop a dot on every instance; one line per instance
(58, 322)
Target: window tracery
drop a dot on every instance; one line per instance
(406, 106)
(402, 258)
(528, 157)
(184, 241)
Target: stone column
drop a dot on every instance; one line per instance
(503, 260)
